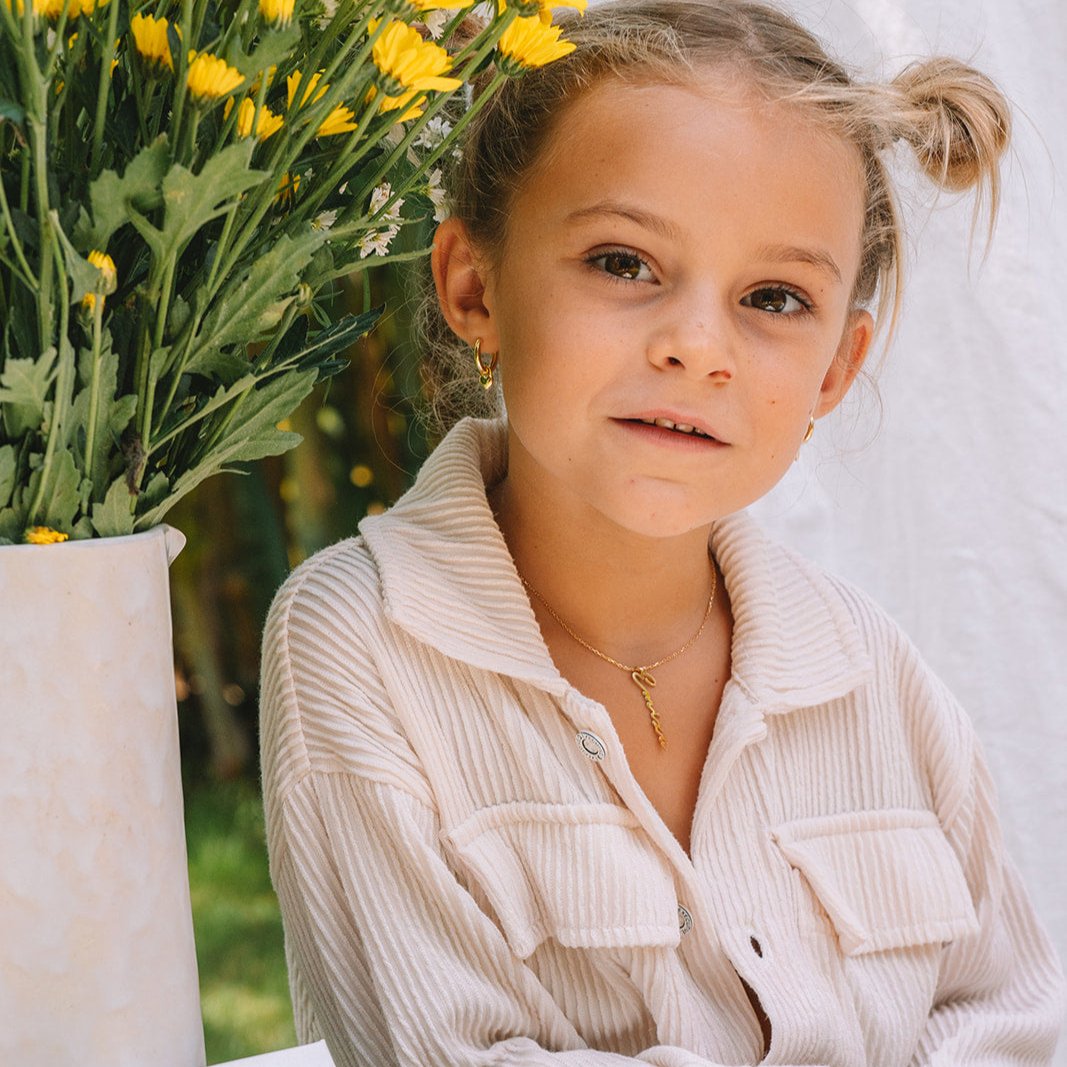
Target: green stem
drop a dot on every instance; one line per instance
(428, 161)
(46, 237)
(347, 158)
(181, 70)
(58, 43)
(9, 225)
(64, 380)
(376, 261)
(288, 150)
(103, 88)
(150, 385)
(139, 104)
(94, 388)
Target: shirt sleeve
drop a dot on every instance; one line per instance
(1000, 993)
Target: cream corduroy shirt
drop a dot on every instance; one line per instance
(469, 873)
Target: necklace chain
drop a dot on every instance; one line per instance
(642, 676)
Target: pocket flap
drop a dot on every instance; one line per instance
(582, 874)
(887, 879)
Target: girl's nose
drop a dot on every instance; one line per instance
(695, 338)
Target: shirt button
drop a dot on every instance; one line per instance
(685, 920)
(591, 745)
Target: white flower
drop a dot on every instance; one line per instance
(376, 243)
(435, 191)
(434, 132)
(379, 198)
(325, 220)
(435, 22)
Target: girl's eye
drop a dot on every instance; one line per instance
(627, 266)
(778, 300)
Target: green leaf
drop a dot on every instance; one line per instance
(273, 49)
(246, 313)
(113, 415)
(226, 366)
(81, 274)
(7, 474)
(155, 490)
(252, 436)
(320, 351)
(113, 517)
(11, 526)
(112, 197)
(192, 200)
(60, 504)
(24, 385)
(12, 112)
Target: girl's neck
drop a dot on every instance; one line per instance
(634, 597)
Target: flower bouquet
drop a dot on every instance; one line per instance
(181, 185)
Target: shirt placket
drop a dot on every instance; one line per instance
(707, 958)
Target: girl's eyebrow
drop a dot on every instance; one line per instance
(647, 219)
(816, 257)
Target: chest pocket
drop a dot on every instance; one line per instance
(886, 879)
(584, 875)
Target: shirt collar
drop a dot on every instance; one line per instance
(448, 580)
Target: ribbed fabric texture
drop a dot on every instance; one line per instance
(463, 883)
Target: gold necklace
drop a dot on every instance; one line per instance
(642, 676)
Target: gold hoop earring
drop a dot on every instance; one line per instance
(485, 374)
(809, 431)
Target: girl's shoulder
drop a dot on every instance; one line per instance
(901, 677)
(329, 589)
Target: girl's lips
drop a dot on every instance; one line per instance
(660, 435)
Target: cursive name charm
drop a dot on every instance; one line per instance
(644, 681)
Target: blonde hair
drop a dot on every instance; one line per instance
(954, 118)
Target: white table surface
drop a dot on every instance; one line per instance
(315, 1055)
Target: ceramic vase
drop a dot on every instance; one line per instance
(97, 961)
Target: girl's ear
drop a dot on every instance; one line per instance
(460, 277)
(851, 353)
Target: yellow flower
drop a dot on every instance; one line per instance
(52, 9)
(150, 38)
(279, 12)
(339, 120)
(412, 101)
(405, 61)
(287, 188)
(43, 535)
(108, 277)
(268, 125)
(211, 78)
(85, 7)
(531, 42)
(292, 83)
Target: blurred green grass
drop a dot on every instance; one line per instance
(244, 993)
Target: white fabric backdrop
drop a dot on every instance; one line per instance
(950, 504)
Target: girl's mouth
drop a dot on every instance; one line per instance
(678, 427)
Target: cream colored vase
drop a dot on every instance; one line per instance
(97, 962)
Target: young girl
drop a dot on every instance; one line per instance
(564, 761)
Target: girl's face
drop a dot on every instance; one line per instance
(683, 253)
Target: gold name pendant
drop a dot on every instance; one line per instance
(644, 681)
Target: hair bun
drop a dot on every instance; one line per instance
(956, 119)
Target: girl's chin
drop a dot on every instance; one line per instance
(660, 521)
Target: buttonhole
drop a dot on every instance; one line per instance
(756, 947)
